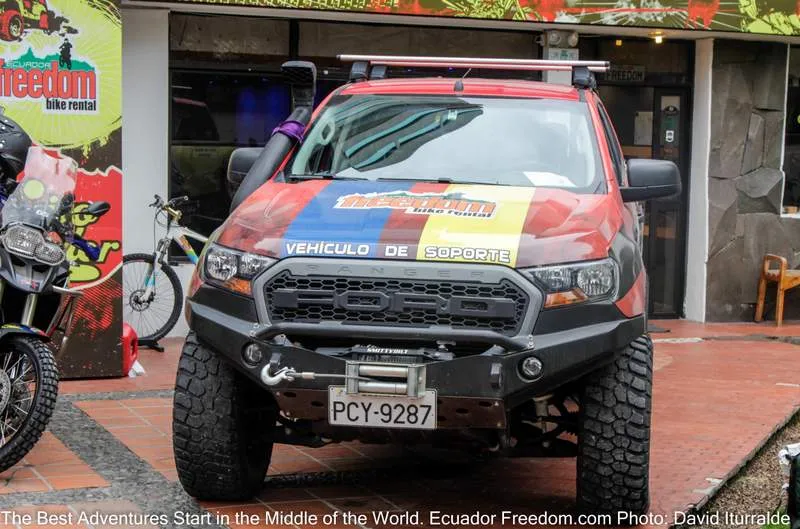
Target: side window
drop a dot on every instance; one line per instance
(616, 152)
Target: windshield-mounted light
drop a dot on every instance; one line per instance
(232, 269)
(576, 282)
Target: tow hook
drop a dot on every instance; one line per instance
(289, 374)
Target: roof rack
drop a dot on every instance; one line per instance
(374, 66)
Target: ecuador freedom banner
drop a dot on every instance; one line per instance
(61, 80)
(767, 17)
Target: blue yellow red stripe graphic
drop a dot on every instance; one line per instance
(468, 238)
(321, 229)
(407, 220)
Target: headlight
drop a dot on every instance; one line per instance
(577, 282)
(22, 240)
(29, 242)
(233, 269)
(49, 253)
(221, 264)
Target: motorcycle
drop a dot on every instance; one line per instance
(36, 226)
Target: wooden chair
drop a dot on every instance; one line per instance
(783, 276)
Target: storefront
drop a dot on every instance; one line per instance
(703, 84)
(219, 83)
(224, 99)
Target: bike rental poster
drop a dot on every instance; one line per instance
(61, 80)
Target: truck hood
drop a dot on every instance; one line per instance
(512, 226)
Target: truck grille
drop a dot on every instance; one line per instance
(500, 307)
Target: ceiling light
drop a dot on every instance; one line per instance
(618, 42)
(553, 38)
(572, 39)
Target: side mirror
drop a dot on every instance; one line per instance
(98, 209)
(649, 179)
(241, 161)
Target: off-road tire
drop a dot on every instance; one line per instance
(11, 25)
(614, 433)
(44, 400)
(177, 291)
(223, 427)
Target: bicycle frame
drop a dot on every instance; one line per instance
(180, 235)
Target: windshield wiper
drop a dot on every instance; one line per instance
(320, 176)
(444, 180)
(440, 180)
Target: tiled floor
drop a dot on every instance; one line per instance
(49, 466)
(143, 425)
(715, 401)
(689, 329)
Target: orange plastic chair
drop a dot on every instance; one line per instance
(783, 276)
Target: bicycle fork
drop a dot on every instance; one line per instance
(150, 277)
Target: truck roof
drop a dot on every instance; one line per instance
(472, 87)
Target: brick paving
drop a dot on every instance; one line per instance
(716, 400)
(49, 466)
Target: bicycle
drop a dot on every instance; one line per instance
(153, 299)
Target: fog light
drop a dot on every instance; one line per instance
(252, 354)
(531, 367)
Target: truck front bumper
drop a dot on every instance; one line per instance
(473, 391)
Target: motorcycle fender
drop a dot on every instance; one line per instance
(11, 329)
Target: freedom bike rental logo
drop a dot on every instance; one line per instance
(64, 85)
(455, 204)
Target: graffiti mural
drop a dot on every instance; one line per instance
(779, 17)
(60, 79)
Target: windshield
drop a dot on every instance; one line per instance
(503, 141)
(45, 192)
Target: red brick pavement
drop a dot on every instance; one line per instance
(49, 466)
(690, 329)
(715, 402)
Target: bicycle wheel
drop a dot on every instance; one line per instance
(154, 317)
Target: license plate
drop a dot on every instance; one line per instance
(381, 411)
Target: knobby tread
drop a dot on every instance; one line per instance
(614, 436)
(223, 427)
(44, 401)
(176, 287)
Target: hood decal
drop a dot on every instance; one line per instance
(475, 239)
(355, 232)
(455, 204)
(425, 221)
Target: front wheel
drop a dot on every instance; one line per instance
(614, 433)
(11, 25)
(28, 391)
(223, 427)
(153, 311)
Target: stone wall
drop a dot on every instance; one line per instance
(745, 177)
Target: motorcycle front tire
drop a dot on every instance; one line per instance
(44, 398)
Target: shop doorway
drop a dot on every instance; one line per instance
(647, 94)
(653, 122)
